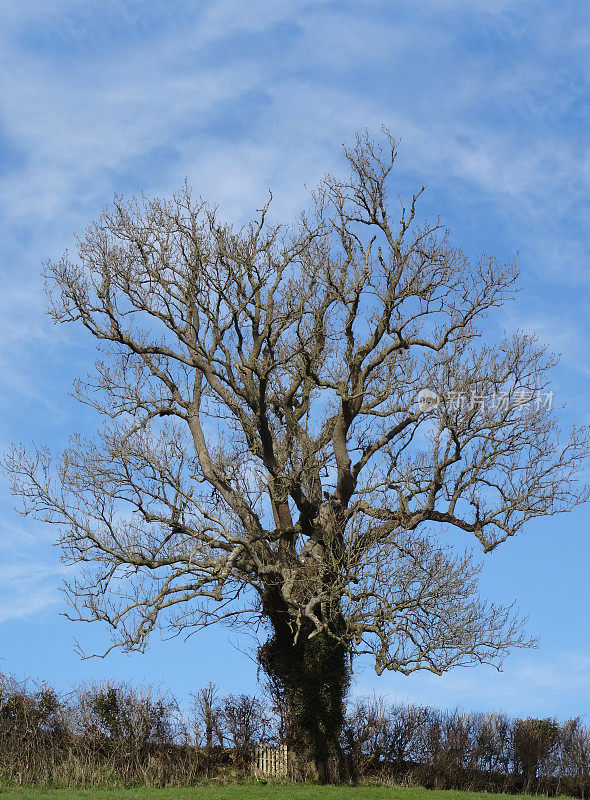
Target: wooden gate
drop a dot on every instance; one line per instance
(270, 761)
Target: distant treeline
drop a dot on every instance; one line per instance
(116, 734)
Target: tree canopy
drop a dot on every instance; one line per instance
(296, 418)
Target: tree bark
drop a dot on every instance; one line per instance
(313, 675)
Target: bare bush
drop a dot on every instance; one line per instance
(32, 729)
(366, 734)
(533, 741)
(574, 752)
(246, 721)
(122, 713)
(492, 749)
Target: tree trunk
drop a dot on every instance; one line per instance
(313, 677)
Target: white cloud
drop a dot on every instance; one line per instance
(27, 588)
(83, 138)
(531, 685)
(474, 6)
(564, 333)
(79, 129)
(82, 133)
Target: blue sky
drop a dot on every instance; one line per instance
(490, 99)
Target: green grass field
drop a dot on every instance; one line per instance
(250, 792)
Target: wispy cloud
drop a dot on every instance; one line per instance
(27, 588)
(531, 684)
(78, 130)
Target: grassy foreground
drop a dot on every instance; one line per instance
(250, 792)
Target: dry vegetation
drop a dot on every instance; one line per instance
(118, 735)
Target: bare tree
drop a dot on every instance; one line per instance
(208, 712)
(270, 452)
